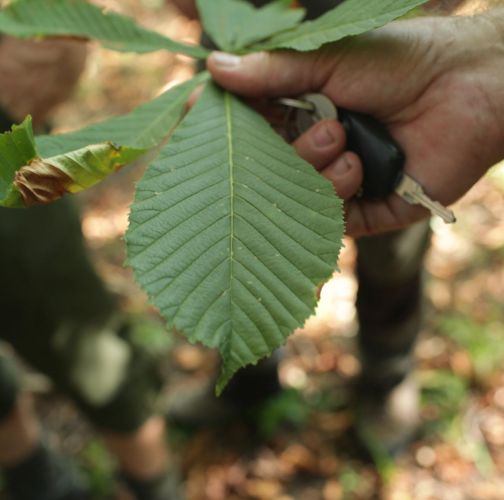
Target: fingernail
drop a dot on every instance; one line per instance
(225, 60)
(323, 136)
(341, 166)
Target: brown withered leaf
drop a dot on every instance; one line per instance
(40, 182)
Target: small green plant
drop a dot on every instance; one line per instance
(98, 468)
(230, 232)
(288, 408)
(483, 342)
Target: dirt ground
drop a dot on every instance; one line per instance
(301, 445)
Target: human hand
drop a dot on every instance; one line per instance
(434, 82)
(36, 76)
(187, 7)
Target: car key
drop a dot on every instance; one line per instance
(382, 158)
(412, 192)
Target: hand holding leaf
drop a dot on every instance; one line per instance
(231, 233)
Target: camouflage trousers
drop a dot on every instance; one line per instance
(59, 318)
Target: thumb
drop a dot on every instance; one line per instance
(265, 74)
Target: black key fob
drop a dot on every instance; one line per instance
(382, 158)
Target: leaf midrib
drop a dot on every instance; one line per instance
(231, 166)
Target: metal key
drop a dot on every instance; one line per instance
(412, 192)
(310, 109)
(382, 158)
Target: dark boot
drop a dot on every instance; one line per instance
(199, 406)
(165, 487)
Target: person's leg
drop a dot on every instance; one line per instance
(51, 293)
(123, 410)
(144, 462)
(19, 429)
(19, 433)
(141, 453)
(389, 301)
(65, 324)
(389, 309)
(31, 471)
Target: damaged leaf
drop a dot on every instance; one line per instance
(27, 179)
(40, 182)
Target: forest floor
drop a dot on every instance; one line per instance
(300, 447)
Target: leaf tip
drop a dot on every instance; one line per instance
(223, 381)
